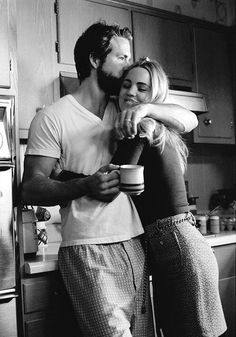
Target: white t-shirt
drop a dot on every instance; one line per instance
(82, 143)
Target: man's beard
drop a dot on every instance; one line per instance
(108, 83)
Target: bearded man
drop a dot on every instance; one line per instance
(101, 258)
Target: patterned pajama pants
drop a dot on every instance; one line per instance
(107, 285)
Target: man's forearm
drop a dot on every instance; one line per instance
(41, 191)
(174, 116)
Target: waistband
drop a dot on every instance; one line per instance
(174, 220)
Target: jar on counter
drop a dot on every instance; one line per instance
(230, 224)
(215, 224)
(201, 221)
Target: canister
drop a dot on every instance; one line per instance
(215, 224)
(201, 221)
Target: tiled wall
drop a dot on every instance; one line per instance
(220, 11)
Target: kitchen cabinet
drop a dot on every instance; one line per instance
(36, 36)
(214, 80)
(4, 43)
(47, 311)
(167, 41)
(75, 16)
(226, 258)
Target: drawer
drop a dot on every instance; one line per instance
(39, 294)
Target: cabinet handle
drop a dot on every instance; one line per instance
(207, 121)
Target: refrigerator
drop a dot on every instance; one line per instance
(8, 286)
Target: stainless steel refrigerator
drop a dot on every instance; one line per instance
(8, 289)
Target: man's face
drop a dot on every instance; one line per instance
(111, 71)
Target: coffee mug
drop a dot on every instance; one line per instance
(132, 179)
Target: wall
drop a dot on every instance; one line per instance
(219, 11)
(210, 167)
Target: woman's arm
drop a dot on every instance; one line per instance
(172, 115)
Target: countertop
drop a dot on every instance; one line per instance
(44, 261)
(46, 258)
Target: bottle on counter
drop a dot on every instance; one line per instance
(215, 224)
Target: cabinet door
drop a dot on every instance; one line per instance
(214, 79)
(75, 16)
(226, 258)
(228, 298)
(47, 309)
(4, 46)
(167, 41)
(36, 35)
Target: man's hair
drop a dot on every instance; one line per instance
(95, 41)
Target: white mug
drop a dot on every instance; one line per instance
(132, 179)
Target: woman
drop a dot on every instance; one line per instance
(183, 266)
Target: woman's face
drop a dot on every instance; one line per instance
(135, 89)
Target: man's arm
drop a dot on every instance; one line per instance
(172, 115)
(38, 189)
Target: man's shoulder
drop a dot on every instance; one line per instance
(60, 103)
(58, 109)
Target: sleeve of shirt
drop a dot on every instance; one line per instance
(44, 136)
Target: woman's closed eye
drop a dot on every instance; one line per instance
(143, 88)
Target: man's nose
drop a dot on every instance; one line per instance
(127, 63)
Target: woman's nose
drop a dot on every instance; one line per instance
(132, 91)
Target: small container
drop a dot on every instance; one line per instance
(223, 223)
(215, 224)
(230, 224)
(201, 221)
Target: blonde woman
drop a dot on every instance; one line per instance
(183, 266)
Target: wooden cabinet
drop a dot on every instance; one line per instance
(214, 80)
(226, 258)
(194, 55)
(47, 311)
(167, 41)
(36, 36)
(75, 16)
(4, 45)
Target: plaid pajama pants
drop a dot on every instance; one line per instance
(107, 286)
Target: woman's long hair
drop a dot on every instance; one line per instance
(157, 133)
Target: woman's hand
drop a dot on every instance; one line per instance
(128, 119)
(171, 115)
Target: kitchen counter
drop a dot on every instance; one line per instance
(224, 238)
(46, 258)
(44, 261)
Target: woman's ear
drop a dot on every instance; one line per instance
(94, 61)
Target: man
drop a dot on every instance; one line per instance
(101, 258)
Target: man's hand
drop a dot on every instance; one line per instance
(104, 184)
